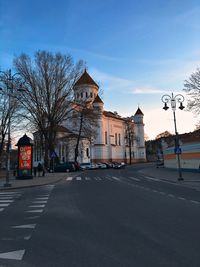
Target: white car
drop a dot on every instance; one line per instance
(88, 166)
(102, 166)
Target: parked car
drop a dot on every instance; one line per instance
(64, 167)
(117, 165)
(88, 166)
(102, 166)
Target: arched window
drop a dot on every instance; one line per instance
(106, 138)
(87, 152)
(81, 95)
(90, 94)
(86, 94)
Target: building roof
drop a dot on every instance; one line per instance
(139, 112)
(97, 99)
(86, 79)
(112, 115)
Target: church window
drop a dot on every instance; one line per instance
(119, 139)
(106, 138)
(116, 139)
(91, 94)
(87, 152)
(77, 95)
(81, 95)
(86, 94)
(59, 150)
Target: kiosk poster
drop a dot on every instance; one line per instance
(25, 157)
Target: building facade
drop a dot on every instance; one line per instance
(111, 142)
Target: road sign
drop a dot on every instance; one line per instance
(177, 150)
(54, 155)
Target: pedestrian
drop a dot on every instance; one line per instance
(35, 171)
(39, 169)
(43, 170)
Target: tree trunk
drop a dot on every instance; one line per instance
(78, 139)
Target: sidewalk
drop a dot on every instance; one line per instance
(36, 181)
(191, 178)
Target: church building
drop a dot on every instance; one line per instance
(117, 139)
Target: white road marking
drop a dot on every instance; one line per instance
(181, 198)
(195, 202)
(32, 217)
(34, 211)
(27, 237)
(4, 205)
(151, 178)
(10, 193)
(78, 178)
(36, 206)
(115, 178)
(25, 226)
(87, 178)
(136, 179)
(50, 186)
(170, 195)
(69, 178)
(2, 209)
(5, 197)
(162, 193)
(13, 255)
(6, 200)
(42, 198)
(39, 202)
(155, 191)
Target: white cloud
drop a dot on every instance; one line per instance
(147, 90)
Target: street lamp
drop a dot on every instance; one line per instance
(173, 100)
(8, 79)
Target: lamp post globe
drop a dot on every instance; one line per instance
(173, 100)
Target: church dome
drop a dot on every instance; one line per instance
(86, 79)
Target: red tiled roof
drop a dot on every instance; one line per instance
(86, 79)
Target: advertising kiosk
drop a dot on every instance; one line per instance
(25, 158)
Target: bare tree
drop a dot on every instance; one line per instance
(48, 83)
(9, 108)
(192, 88)
(129, 136)
(163, 134)
(85, 120)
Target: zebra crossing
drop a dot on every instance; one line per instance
(87, 178)
(16, 233)
(7, 198)
(108, 178)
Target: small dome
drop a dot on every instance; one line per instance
(139, 112)
(86, 79)
(24, 141)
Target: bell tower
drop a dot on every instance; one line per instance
(139, 135)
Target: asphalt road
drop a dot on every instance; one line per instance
(102, 218)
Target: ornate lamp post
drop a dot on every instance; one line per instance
(8, 79)
(173, 100)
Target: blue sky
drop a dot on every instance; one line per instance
(136, 50)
